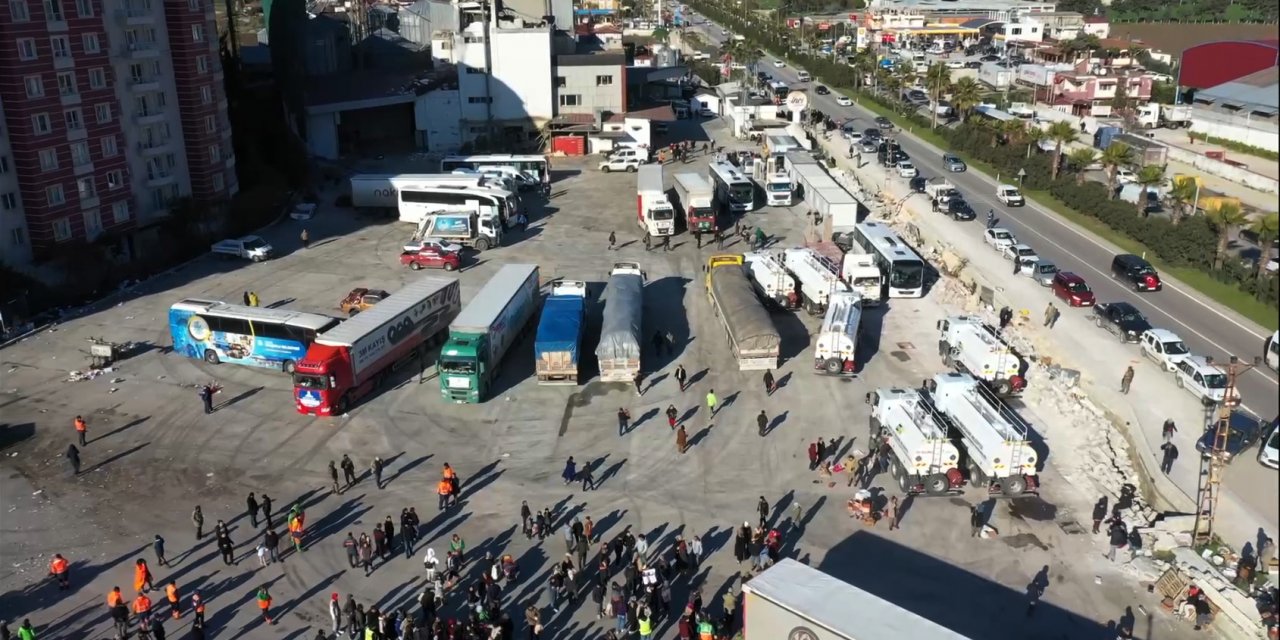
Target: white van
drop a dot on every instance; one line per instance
(520, 179)
(804, 76)
(1204, 380)
(1164, 347)
(630, 153)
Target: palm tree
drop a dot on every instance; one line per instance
(937, 78)
(1061, 133)
(1113, 157)
(1267, 228)
(1148, 176)
(1182, 197)
(1034, 136)
(1081, 159)
(966, 93)
(1224, 216)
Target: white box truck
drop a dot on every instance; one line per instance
(998, 452)
(654, 212)
(924, 458)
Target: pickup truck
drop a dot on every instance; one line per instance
(1121, 319)
(361, 299)
(428, 258)
(1010, 196)
(249, 248)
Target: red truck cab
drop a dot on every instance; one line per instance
(431, 258)
(321, 381)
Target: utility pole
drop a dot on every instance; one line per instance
(1213, 465)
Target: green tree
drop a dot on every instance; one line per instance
(937, 79)
(1061, 133)
(1267, 228)
(1080, 160)
(1181, 198)
(661, 34)
(1113, 157)
(1148, 176)
(1034, 136)
(1224, 216)
(966, 93)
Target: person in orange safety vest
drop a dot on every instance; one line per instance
(444, 489)
(142, 576)
(175, 603)
(142, 608)
(82, 430)
(61, 570)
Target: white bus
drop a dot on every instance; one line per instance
(418, 201)
(533, 165)
(218, 332)
(903, 269)
(732, 187)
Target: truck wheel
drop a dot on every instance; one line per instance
(833, 366)
(340, 407)
(975, 476)
(353, 313)
(416, 266)
(211, 357)
(482, 244)
(1013, 485)
(937, 484)
(448, 266)
(289, 367)
(1003, 387)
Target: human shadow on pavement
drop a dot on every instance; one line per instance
(407, 467)
(121, 429)
(115, 457)
(610, 472)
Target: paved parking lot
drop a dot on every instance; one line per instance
(153, 455)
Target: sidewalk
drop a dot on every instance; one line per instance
(1077, 344)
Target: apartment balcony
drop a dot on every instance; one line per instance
(150, 116)
(155, 147)
(155, 180)
(135, 17)
(82, 169)
(231, 163)
(144, 85)
(140, 50)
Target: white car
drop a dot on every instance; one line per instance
(999, 238)
(620, 164)
(955, 64)
(1164, 347)
(439, 244)
(1126, 176)
(852, 136)
(779, 64)
(1269, 450)
(844, 101)
(906, 169)
(1020, 252)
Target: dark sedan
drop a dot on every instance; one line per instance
(972, 64)
(960, 210)
(990, 58)
(822, 90)
(1242, 431)
(884, 122)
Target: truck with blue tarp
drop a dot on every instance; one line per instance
(558, 341)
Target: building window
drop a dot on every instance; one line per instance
(27, 49)
(84, 8)
(197, 33)
(120, 211)
(18, 10)
(48, 159)
(35, 86)
(475, 71)
(53, 195)
(115, 179)
(570, 100)
(84, 186)
(561, 82)
(4, 165)
(91, 44)
(53, 11)
(62, 229)
(604, 81)
(210, 124)
(9, 201)
(61, 46)
(79, 153)
(41, 124)
(215, 153)
(17, 236)
(194, 5)
(206, 95)
(67, 83)
(93, 223)
(103, 111)
(73, 119)
(109, 149)
(97, 78)
(480, 100)
(202, 64)
(218, 182)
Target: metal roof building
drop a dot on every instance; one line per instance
(1214, 63)
(1258, 92)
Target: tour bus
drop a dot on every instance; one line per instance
(903, 269)
(218, 332)
(532, 165)
(779, 90)
(416, 202)
(732, 187)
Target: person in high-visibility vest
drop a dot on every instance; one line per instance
(82, 430)
(175, 603)
(295, 533)
(142, 576)
(61, 570)
(706, 631)
(142, 608)
(114, 597)
(264, 603)
(444, 488)
(646, 624)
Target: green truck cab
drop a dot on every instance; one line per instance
(485, 331)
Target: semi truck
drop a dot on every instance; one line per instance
(826, 197)
(618, 353)
(559, 336)
(835, 348)
(968, 345)
(794, 601)
(485, 331)
(350, 360)
(654, 213)
(924, 458)
(818, 279)
(752, 337)
(697, 202)
(996, 449)
(857, 270)
(771, 280)
(778, 190)
(480, 231)
(1169, 116)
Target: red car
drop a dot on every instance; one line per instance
(430, 258)
(1072, 288)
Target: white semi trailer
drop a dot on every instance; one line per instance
(817, 280)
(924, 458)
(995, 439)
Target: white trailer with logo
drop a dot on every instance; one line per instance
(654, 212)
(835, 348)
(995, 439)
(968, 345)
(924, 458)
(821, 193)
(771, 280)
(818, 279)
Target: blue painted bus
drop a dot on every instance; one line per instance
(218, 332)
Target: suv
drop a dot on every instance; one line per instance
(631, 164)
(1135, 271)
(1121, 319)
(1072, 288)
(361, 299)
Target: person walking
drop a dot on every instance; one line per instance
(349, 546)
(813, 455)
(306, 239)
(526, 519)
(1168, 455)
(762, 510)
(762, 423)
(389, 531)
(142, 576)
(197, 518)
(366, 554)
(1118, 537)
(1006, 314)
(444, 489)
(142, 609)
(666, 243)
(197, 607)
(588, 479)
(1126, 380)
(272, 541)
(264, 598)
(770, 385)
(82, 429)
(672, 415)
(348, 471)
(175, 601)
(1168, 430)
(711, 402)
(206, 397)
(613, 241)
(60, 569)
(891, 513)
(28, 632)
(263, 556)
(251, 506)
(1051, 315)
(680, 376)
(73, 457)
(570, 472)
(333, 473)
(624, 421)
(1099, 513)
(376, 468)
(157, 545)
(227, 549)
(976, 520)
(682, 439)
